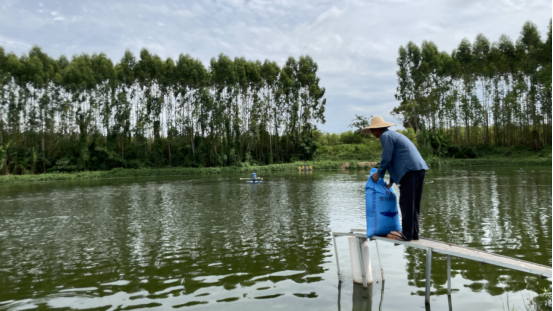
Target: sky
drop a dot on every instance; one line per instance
(355, 43)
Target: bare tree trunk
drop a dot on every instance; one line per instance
(467, 131)
(169, 147)
(544, 129)
(276, 133)
(192, 141)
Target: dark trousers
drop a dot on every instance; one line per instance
(410, 189)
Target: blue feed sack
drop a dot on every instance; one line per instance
(381, 205)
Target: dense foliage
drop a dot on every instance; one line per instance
(87, 113)
(488, 93)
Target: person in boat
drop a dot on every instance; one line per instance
(406, 167)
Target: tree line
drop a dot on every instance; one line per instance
(482, 92)
(89, 113)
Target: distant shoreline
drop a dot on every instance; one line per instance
(317, 166)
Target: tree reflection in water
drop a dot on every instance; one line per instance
(504, 212)
(210, 241)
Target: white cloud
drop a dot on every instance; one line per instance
(11, 45)
(354, 42)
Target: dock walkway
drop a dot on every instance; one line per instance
(432, 246)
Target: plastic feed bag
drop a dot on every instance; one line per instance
(381, 207)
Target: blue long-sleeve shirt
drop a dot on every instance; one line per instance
(399, 156)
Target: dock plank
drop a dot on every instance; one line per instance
(464, 252)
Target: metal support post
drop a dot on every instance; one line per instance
(379, 262)
(337, 260)
(428, 269)
(361, 262)
(339, 295)
(448, 275)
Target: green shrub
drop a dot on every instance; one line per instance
(468, 152)
(350, 137)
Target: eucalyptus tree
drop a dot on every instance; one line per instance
(430, 83)
(39, 72)
(257, 99)
(5, 79)
(168, 82)
(289, 97)
(89, 113)
(270, 72)
(242, 70)
(125, 96)
(312, 103)
(490, 92)
(544, 91)
(18, 70)
(408, 92)
(530, 45)
(507, 69)
(191, 78)
(480, 53)
(104, 75)
(62, 97)
(148, 71)
(311, 95)
(496, 91)
(445, 77)
(254, 97)
(80, 81)
(224, 79)
(469, 102)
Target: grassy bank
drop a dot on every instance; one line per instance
(433, 162)
(177, 171)
(493, 155)
(448, 162)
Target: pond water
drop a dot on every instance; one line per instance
(212, 243)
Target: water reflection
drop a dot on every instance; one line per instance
(215, 241)
(161, 241)
(507, 212)
(363, 298)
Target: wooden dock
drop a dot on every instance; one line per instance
(432, 246)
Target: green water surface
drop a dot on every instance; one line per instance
(216, 243)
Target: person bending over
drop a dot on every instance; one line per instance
(406, 167)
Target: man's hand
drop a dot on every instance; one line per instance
(375, 177)
(389, 185)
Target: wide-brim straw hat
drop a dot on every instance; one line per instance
(376, 122)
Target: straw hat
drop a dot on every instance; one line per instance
(376, 122)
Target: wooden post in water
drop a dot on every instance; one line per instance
(428, 269)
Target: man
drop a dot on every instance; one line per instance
(405, 165)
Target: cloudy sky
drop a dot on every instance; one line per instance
(355, 43)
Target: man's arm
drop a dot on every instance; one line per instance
(387, 152)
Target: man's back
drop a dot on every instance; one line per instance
(402, 154)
